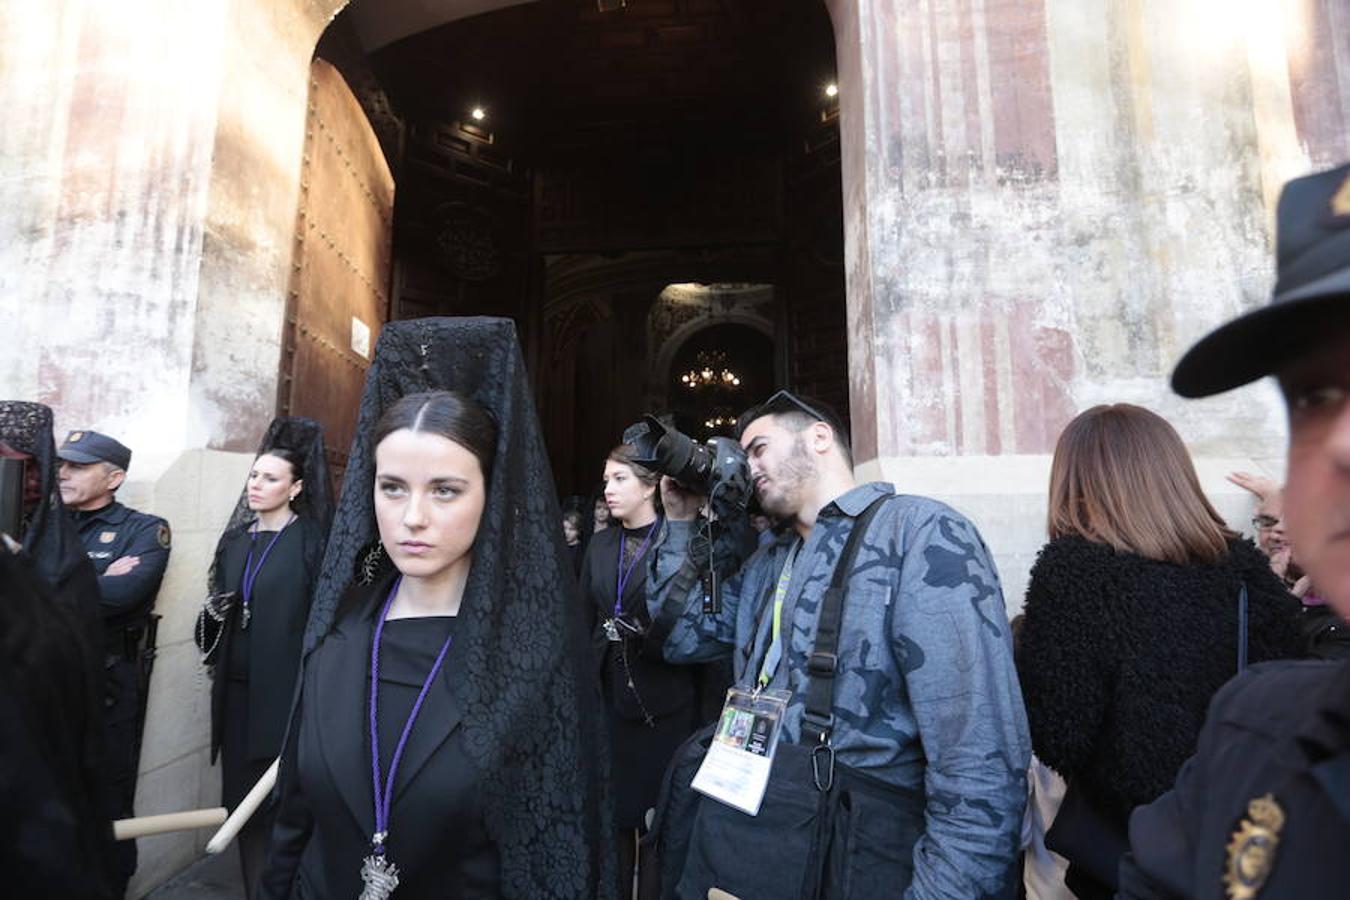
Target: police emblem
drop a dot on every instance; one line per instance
(107, 537)
(1251, 852)
(163, 535)
(74, 437)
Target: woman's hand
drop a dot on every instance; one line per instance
(681, 505)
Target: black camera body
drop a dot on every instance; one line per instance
(718, 468)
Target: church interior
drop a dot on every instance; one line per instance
(648, 192)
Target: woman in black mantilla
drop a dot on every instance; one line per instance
(56, 839)
(452, 653)
(268, 558)
(651, 705)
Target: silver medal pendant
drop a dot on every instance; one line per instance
(379, 876)
(611, 630)
(244, 617)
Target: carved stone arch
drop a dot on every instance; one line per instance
(660, 377)
(684, 310)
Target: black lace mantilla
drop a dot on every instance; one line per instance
(534, 732)
(315, 503)
(49, 535)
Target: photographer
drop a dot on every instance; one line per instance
(924, 731)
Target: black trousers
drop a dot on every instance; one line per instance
(122, 752)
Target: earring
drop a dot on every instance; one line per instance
(372, 561)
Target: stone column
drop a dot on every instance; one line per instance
(149, 169)
(1046, 202)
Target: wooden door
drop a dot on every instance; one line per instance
(339, 293)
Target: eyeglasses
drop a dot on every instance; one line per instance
(1264, 522)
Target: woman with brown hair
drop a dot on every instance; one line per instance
(1134, 618)
(651, 705)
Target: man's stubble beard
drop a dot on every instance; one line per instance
(796, 471)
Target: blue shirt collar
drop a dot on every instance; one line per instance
(853, 502)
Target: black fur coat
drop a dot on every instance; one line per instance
(1120, 655)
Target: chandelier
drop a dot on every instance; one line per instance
(719, 420)
(710, 369)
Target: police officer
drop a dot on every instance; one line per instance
(1263, 808)
(129, 550)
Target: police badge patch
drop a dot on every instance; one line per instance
(1251, 852)
(107, 537)
(163, 535)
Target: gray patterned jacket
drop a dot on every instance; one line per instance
(926, 696)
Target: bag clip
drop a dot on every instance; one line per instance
(824, 749)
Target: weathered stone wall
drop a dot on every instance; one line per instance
(149, 170)
(1046, 202)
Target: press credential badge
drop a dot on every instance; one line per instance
(736, 768)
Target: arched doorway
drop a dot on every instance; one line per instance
(562, 167)
(715, 374)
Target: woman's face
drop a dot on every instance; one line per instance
(601, 513)
(625, 494)
(429, 496)
(271, 484)
(570, 532)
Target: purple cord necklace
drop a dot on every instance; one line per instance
(378, 874)
(251, 573)
(624, 576)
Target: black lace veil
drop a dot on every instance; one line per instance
(532, 722)
(56, 569)
(304, 437)
(49, 535)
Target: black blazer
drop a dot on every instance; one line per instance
(326, 813)
(664, 687)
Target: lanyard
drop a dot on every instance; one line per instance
(774, 654)
(624, 576)
(384, 794)
(251, 572)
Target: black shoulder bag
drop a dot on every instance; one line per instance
(825, 830)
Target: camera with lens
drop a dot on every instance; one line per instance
(718, 468)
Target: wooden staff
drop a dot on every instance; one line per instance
(143, 826)
(245, 810)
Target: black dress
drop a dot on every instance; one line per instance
(251, 696)
(651, 705)
(437, 837)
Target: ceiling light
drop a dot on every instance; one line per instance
(831, 90)
(478, 114)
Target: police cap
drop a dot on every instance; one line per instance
(92, 447)
(1311, 301)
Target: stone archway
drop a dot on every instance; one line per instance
(683, 310)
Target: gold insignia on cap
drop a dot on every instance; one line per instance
(1251, 852)
(107, 537)
(74, 437)
(1340, 201)
(163, 535)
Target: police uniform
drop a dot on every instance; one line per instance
(125, 604)
(1263, 808)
